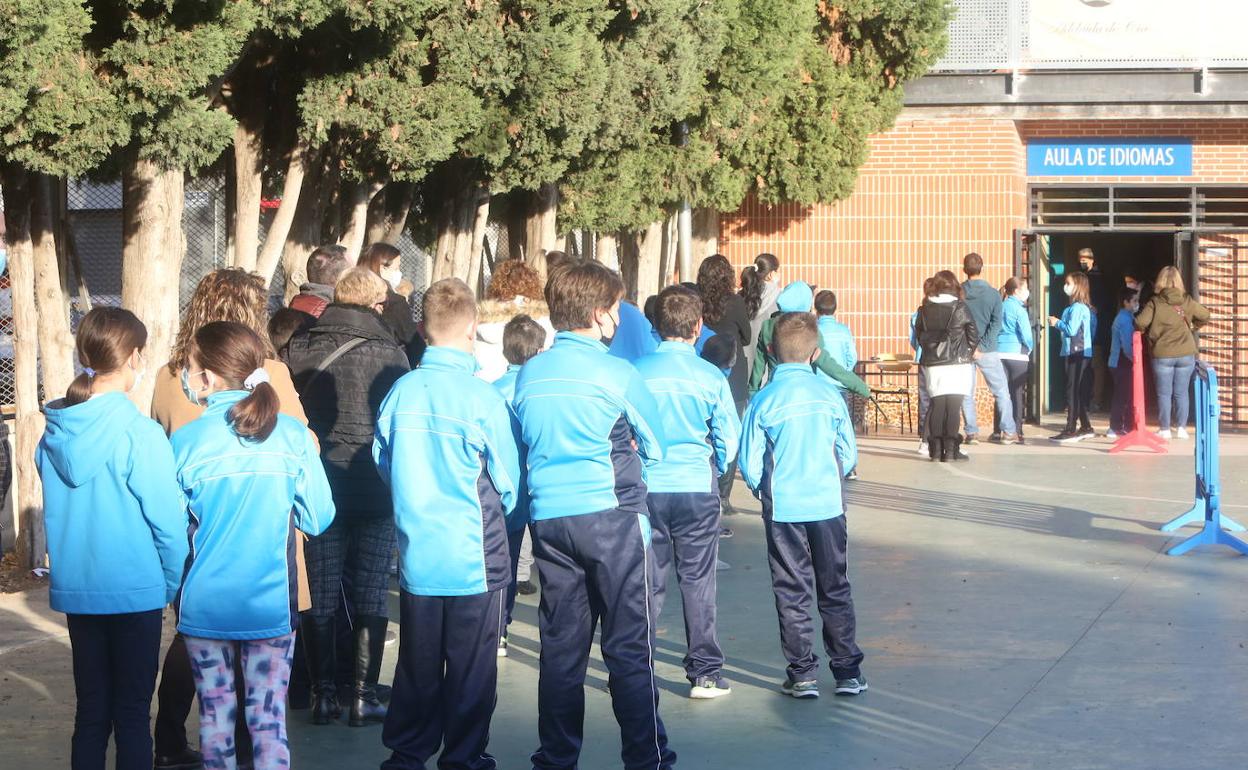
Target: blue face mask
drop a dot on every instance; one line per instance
(187, 390)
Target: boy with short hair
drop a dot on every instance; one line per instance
(590, 427)
(795, 430)
(702, 429)
(1121, 350)
(835, 338)
(451, 518)
(798, 297)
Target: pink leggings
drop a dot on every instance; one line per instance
(266, 669)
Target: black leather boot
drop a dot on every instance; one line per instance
(935, 448)
(319, 647)
(956, 452)
(370, 644)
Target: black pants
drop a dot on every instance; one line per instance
(514, 541)
(726, 481)
(1016, 379)
(1078, 392)
(815, 554)
(115, 662)
(944, 417)
(596, 566)
(176, 696)
(445, 685)
(1122, 408)
(686, 530)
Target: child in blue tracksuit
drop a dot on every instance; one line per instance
(445, 443)
(836, 340)
(523, 338)
(591, 427)
(116, 531)
(797, 430)
(250, 476)
(702, 429)
(1014, 345)
(1121, 350)
(1078, 329)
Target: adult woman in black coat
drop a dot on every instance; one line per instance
(383, 260)
(343, 367)
(723, 312)
(948, 343)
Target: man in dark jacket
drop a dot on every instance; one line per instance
(325, 266)
(984, 302)
(343, 367)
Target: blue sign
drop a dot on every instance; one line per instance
(1110, 157)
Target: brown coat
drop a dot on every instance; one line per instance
(172, 410)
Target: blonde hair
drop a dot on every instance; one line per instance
(229, 294)
(1170, 278)
(449, 305)
(360, 286)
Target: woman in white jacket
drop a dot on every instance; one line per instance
(514, 288)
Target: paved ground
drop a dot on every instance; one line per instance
(1016, 612)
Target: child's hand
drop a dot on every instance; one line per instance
(1053, 320)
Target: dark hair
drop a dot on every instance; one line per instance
(107, 336)
(946, 283)
(1010, 286)
(576, 290)
(232, 352)
(972, 264)
(327, 263)
(523, 338)
(449, 303)
(825, 302)
(929, 287)
(377, 254)
(285, 323)
(795, 338)
(1126, 295)
(752, 279)
(557, 259)
(679, 312)
(716, 283)
(721, 350)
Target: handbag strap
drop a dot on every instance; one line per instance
(339, 352)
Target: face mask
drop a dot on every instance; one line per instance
(392, 276)
(187, 390)
(1133, 286)
(1069, 289)
(1022, 296)
(138, 380)
(607, 339)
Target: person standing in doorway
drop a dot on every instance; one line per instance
(1169, 321)
(949, 340)
(984, 304)
(1014, 346)
(1078, 328)
(1121, 351)
(1102, 304)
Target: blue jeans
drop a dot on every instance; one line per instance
(1174, 382)
(989, 364)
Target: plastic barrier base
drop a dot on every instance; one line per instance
(1198, 515)
(1141, 438)
(1210, 534)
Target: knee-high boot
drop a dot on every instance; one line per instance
(370, 644)
(320, 649)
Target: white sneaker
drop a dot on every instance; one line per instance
(922, 450)
(1164, 434)
(1111, 435)
(1181, 434)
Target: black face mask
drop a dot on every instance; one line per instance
(615, 329)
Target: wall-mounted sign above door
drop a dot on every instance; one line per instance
(1148, 156)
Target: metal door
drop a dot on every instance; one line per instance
(1027, 256)
(1219, 272)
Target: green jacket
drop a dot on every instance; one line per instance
(765, 361)
(1168, 321)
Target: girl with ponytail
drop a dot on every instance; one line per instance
(116, 528)
(760, 286)
(251, 475)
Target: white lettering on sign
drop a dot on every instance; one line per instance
(1108, 156)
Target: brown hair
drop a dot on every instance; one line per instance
(228, 294)
(929, 287)
(1011, 285)
(796, 337)
(107, 336)
(679, 311)
(512, 278)
(232, 352)
(575, 291)
(377, 254)
(752, 279)
(523, 338)
(327, 264)
(557, 259)
(284, 324)
(360, 286)
(1082, 292)
(825, 302)
(716, 283)
(946, 283)
(972, 264)
(449, 304)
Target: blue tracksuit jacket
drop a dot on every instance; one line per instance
(699, 419)
(115, 518)
(1077, 321)
(838, 341)
(1122, 337)
(1015, 328)
(243, 497)
(507, 383)
(635, 336)
(507, 386)
(580, 412)
(796, 442)
(446, 445)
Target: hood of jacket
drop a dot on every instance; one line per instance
(797, 297)
(1172, 295)
(497, 311)
(353, 321)
(75, 434)
(324, 291)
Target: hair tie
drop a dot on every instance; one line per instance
(255, 378)
(89, 372)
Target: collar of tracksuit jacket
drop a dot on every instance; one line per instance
(448, 359)
(580, 412)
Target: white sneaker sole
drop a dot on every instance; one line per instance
(707, 693)
(852, 690)
(801, 695)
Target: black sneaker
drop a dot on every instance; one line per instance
(1066, 437)
(526, 588)
(187, 759)
(852, 475)
(1087, 433)
(709, 687)
(725, 533)
(851, 686)
(971, 439)
(995, 438)
(727, 508)
(808, 689)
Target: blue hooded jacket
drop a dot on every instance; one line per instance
(797, 442)
(1078, 322)
(1122, 339)
(838, 341)
(1015, 327)
(244, 497)
(580, 411)
(635, 336)
(699, 419)
(115, 518)
(446, 446)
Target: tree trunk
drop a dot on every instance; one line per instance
(28, 497)
(475, 245)
(462, 206)
(356, 219)
(306, 230)
(705, 235)
(607, 250)
(56, 342)
(649, 262)
(540, 232)
(387, 215)
(279, 230)
(153, 245)
(248, 184)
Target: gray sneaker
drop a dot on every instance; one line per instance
(851, 686)
(709, 687)
(808, 689)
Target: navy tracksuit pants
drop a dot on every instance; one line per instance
(596, 566)
(810, 560)
(445, 685)
(686, 531)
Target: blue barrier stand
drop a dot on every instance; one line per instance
(1208, 507)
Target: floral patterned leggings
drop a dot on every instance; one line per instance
(266, 668)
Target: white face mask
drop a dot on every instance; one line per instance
(392, 276)
(1069, 289)
(1022, 296)
(138, 380)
